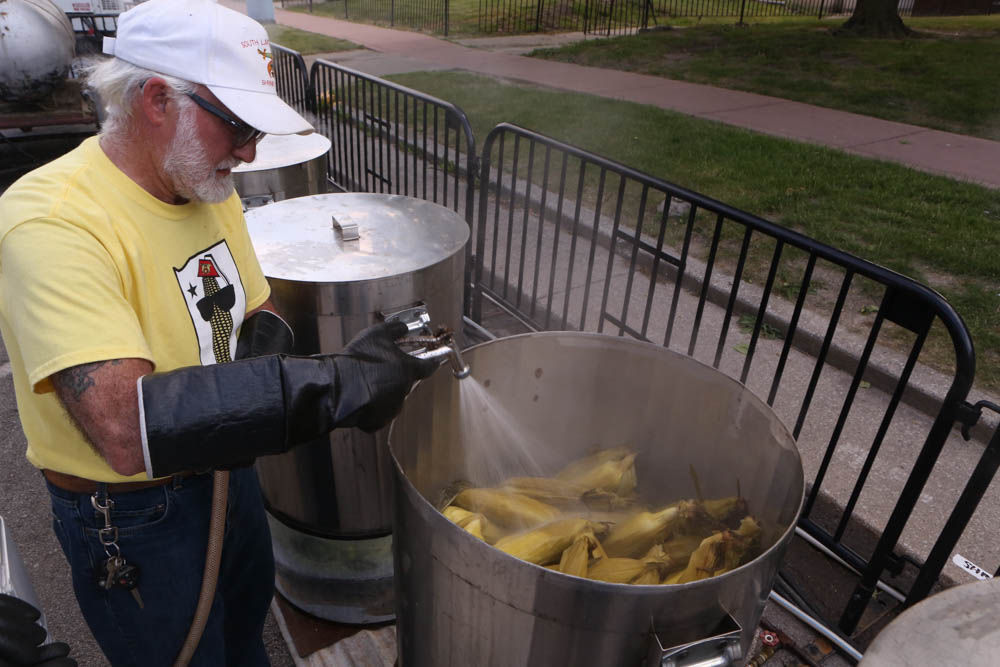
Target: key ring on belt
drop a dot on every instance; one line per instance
(108, 534)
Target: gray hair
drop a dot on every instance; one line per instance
(117, 84)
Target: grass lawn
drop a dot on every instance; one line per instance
(306, 43)
(932, 80)
(940, 231)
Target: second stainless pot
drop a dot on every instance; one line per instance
(330, 501)
(286, 166)
(336, 263)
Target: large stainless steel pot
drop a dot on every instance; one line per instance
(286, 166)
(331, 500)
(462, 602)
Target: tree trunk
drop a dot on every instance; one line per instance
(875, 18)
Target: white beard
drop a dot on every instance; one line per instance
(186, 163)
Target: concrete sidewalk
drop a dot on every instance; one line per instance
(958, 156)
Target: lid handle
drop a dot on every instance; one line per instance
(348, 230)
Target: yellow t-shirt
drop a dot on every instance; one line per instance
(93, 267)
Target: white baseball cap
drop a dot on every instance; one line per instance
(203, 42)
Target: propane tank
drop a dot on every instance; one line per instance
(37, 46)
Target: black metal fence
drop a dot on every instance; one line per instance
(617, 17)
(602, 17)
(389, 138)
(565, 239)
(519, 16)
(429, 15)
(291, 78)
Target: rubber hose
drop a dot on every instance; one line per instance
(210, 577)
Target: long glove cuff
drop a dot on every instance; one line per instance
(264, 333)
(201, 417)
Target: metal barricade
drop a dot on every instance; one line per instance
(569, 240)
(387, 138)
(291, 78)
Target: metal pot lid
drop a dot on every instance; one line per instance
(296, 239)
(283, 150)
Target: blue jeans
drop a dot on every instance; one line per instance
(164, 531)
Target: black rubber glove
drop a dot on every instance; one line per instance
(209, 416)
(21, 636)
(264, 333)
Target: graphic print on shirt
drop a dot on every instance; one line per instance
(216, 301)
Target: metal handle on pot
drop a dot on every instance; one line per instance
(722, 649)
(348, 230)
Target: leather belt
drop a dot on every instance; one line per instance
(75, 484)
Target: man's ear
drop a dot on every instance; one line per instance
(153, 101)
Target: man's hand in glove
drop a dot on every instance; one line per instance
(21, 635)
(389, 372)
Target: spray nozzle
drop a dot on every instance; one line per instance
(423, 342)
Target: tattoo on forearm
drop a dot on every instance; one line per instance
(77, 380)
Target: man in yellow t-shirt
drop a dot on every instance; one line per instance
(128, 286)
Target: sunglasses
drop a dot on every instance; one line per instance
(242, 133)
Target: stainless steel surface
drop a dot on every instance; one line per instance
(14, 579)
(410, 251)
(721, 649)
(462, 602)
(954, 628)
(37, 46)
(349, 581)
(399, 236)
(334, 495)
(286, 166)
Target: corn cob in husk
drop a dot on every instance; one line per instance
(637, 534)
(576, 558)
(650, 576)
(640, 532)
(582, 466)
(727, 511)
(474, 523)
(624, 570)
(678, 549)
(657, 554)
(616, 570)
(549, 490)
(747, 545)
(719, 553)
(617, 476)
(545, 544)
(506, 508)
(705, 561)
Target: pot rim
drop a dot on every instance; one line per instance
(429, 510)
